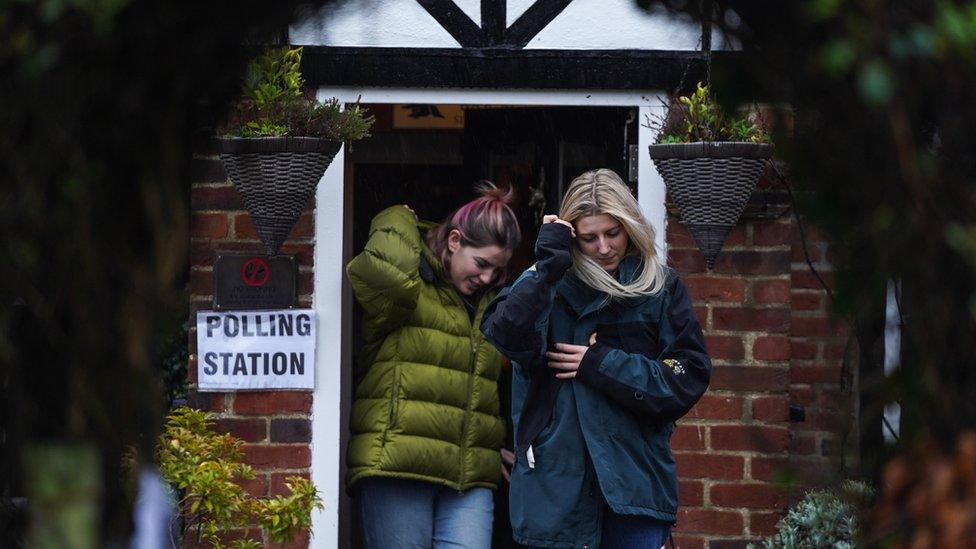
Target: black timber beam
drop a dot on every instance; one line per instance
(503, 68)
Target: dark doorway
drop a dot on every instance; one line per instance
(430, 156)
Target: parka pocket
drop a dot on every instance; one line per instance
(394, 403)
(630, 337)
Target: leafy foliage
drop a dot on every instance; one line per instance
(822, 519)
(697, 117)
(206, 468)
(273, 104)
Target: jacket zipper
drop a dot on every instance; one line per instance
(467, 412)
(394, 390)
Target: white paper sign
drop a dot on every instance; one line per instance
(256, 350)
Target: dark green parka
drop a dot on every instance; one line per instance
(427, 409)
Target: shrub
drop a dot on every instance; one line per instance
(697, 117)
(273, 104)
(824, 518)
(204, 468)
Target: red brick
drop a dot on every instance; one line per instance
(244, 227)
(813, 327)
(805, 301)
(688, 437)
(691, 492)
(724, 347)
(771, 408)
(764, 523)
(256, 487)
(802, 445)
(709, 521)
(278, 456)
(737, 237)
(300, 541)
(752, 495)
(712, 406)
(835, 351)
(822, 420)
(701, 313)
(248, 430)
(802, 396)
(768, 469)
(771, 291)
(688, 542)
(749, 438)
(278, 480)
(191, 370)
(686, 261)
(208, 225)
(201, 282)
(760, 320)
(229, 536)
(750, 378)
(678, 236)
(814, 374)
(215, 198)
(726, 543)
(797, 255)
(271, 402)
(707, 288)
(209, 402)
(771, 233)
(305, 283)
(771, 348)
(806, 280)
(711, 466)
(803, 350)
(751, 262)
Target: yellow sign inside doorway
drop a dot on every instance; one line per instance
(423, 116)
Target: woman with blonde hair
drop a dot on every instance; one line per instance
(426, 432)
(607, 354)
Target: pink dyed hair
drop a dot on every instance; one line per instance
(485, 221)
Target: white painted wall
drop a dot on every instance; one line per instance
(584, 24)
(331, 253)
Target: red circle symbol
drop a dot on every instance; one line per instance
(255, 272)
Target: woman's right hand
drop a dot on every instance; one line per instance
(555, 219)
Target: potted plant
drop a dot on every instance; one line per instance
(277, 142)
(205, 471)
(710, 164)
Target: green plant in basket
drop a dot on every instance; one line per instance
(205, 469)
(697, 117)
(273, 104)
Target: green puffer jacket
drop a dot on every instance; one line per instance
(428, 407)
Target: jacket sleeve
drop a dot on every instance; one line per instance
(662, 389)
(385, 277)
(516, 321)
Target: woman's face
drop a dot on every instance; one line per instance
(473, 269)
(603, 239)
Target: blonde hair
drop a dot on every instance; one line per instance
(603, 192)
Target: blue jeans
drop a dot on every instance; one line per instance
(411, 514)
(632, 532)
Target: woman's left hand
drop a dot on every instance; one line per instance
(566, 360)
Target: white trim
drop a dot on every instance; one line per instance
(327, 398)
(327, 424)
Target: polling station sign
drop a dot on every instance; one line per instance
(256, 350)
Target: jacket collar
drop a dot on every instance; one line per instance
(430, 267)
(583, 299)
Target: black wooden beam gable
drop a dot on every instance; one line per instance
(501, 68)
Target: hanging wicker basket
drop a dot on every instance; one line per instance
(710, 182)
(275, 177)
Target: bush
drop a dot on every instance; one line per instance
(823, 519)
(204, 468)
(697, 117)
(273, 104)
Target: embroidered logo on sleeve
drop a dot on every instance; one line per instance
(675, 365)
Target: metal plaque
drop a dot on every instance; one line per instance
(251, 282)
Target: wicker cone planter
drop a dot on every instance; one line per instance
(275, 177)
(711, 182)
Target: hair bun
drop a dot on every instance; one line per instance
(492, 192)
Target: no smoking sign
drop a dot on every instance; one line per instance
(254, 282)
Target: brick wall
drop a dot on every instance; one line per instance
(275, 425)
(772, 345)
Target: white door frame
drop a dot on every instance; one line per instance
(331, 253)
